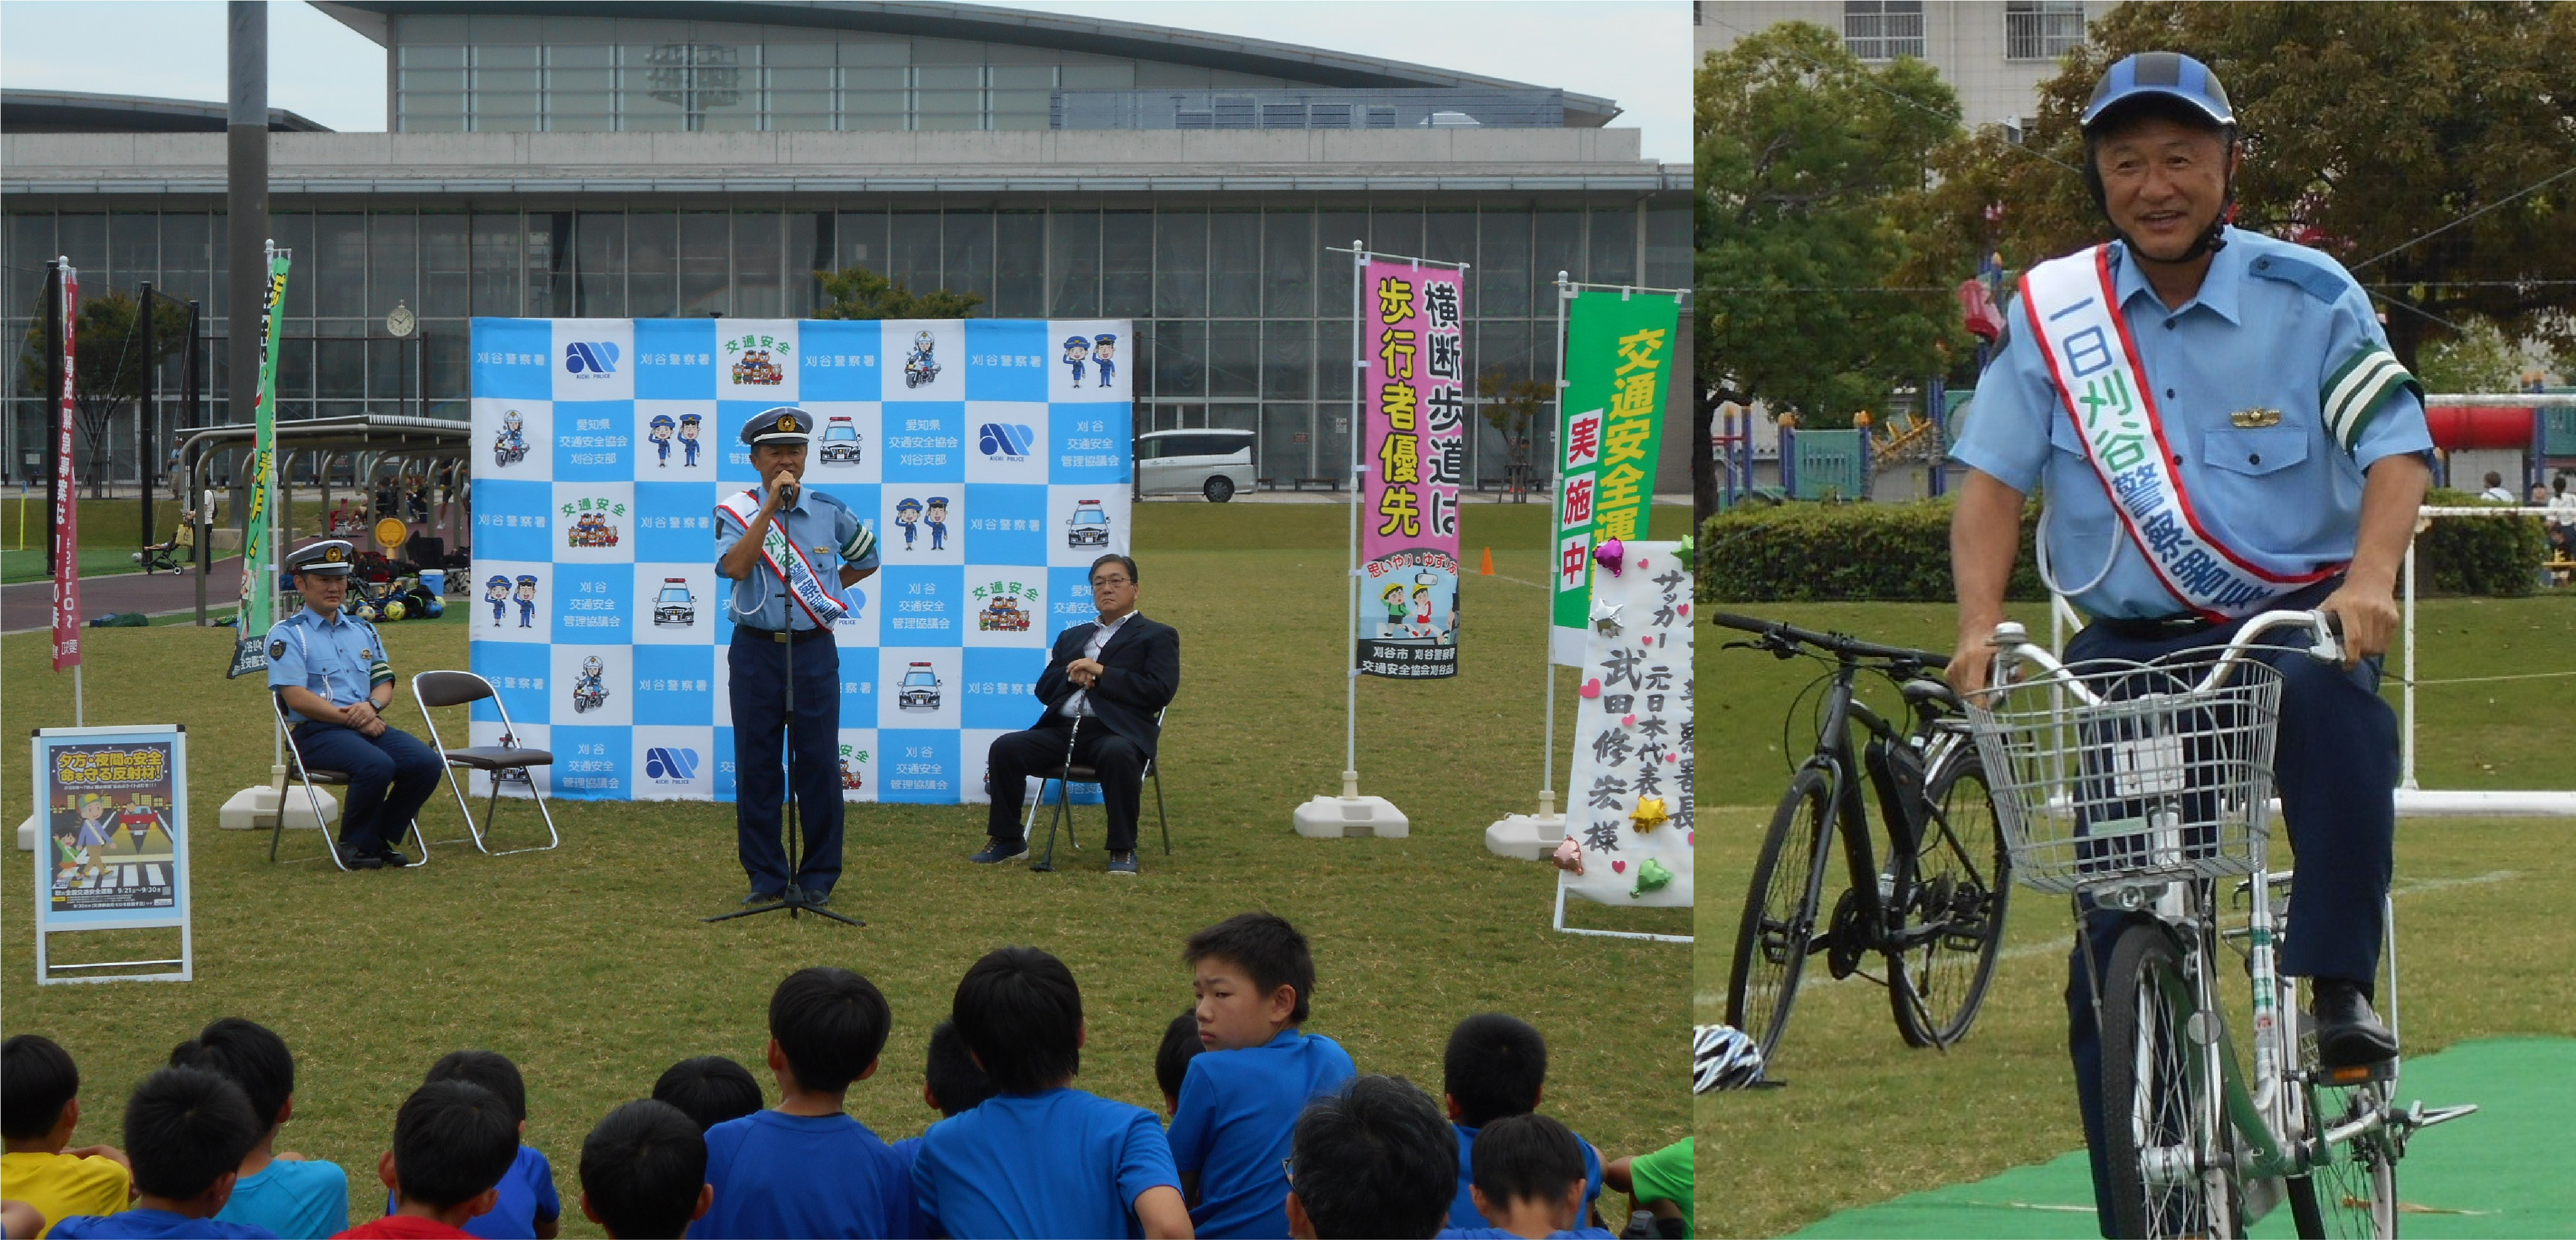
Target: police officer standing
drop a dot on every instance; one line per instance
(337, 680)
(2247, 442)
(790, 553)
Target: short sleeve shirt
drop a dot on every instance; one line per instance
(1238, 1110)
(527, 1197)
(2242, 376)
(152, 1225)
(297, 1200)
(820, 526)
(1463, 1213)
(60, 1186)
(1057, 1165)
(779, 1176)
(336, 658)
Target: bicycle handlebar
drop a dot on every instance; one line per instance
(1844, 646)
(2013, 648)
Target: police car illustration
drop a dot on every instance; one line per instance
(675, 605)
(1089, 526)
(840, 441)
(920, 688)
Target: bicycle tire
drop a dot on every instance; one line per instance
(2161, 1185)
(2350, 1190)
(1781, 905)
(1963, 879)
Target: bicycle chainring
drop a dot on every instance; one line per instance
(1848, 939)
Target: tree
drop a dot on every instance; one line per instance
(107, 366)
(2404, 140)
(1513, 406)
(2479, 361)
(1810, 167)
(859, 295)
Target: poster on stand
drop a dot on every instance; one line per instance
(112, 844)
(1628, 800)
(1618, 358)
(1413, 440)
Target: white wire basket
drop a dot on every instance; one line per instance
(2115, 773)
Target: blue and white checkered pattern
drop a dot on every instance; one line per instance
(602, 446)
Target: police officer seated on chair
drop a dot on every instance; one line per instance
(337, 680)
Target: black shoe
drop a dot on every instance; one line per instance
(393, 857)
(1122, 862)
(819, 899)
(757, 898)
(2349, 1033)
(358, 860)
(997, 850)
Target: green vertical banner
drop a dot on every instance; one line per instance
(258, 578)
(1618, 357)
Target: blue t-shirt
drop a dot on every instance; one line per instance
(1238, 1109)
(527, 1197)
(804, 1177)
(297, 1200)
(1490, 1232)
(1059, 1165)
(152, 1225)
(1462, 1212)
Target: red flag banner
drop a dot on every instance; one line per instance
(67, 617)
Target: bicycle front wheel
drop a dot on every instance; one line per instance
(2157, 1108)
(1954, 920)
(1779, 926)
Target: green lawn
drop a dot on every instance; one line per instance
(588, 965)
(1864, 1119)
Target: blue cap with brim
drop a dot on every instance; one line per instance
(327, 558)
(781, 424)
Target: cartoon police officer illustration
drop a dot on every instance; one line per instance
(689, 439)
(1076, 350)
(496, 591)
(907, 516)
(527, 596)
(938, 522)
(1104, 352)
(660, 433)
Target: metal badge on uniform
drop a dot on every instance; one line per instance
(277, 649)
(822, 550)
(2255, 418)
(366, 654)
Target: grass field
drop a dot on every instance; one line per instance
(1863, 1118)
(588, 965)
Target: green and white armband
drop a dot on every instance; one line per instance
(862, 544)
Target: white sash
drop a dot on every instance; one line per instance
(805, 586)
(2073, 307)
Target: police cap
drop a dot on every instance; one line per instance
(327, 558)
(781, 424)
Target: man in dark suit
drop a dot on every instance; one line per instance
(1102, 687)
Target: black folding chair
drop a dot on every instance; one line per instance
(1076, 774)
(310, 777)
(503, 763)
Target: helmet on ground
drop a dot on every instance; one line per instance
(1723, 1058)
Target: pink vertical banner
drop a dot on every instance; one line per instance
(1413, 439)
(67, 618)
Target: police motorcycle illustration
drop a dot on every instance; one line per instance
(675, 606)
(840, 441)
(590, 690)
(920, 688)
(1089, 525)
(919, 368)
(511, 445)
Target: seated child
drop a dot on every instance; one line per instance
(295, 1197)
(1239, 1102)
(1528, 1183)
(644, 1172)
(187, 1130)
(1658, 1186)
(807, 1170)
(1172, 1061)
(1371, 1162)
(454, 1144)
(709, 1090)
(951, 1084)
(39, 1110)
(529, 1207)
(1496, 1065)
(1040, 1158)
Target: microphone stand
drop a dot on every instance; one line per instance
(793, 900)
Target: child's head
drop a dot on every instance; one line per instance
(491, 1071)
(1021, 1014)
(950, 1081)
(1172, 1061)
(826, 1027)
(644, 1172)
(1494, 1067)
(453, 1141)
(1253, 976)
(709, 1090)
(1373, 1160)
(252, 1057)
(1523, 1160)
(185, 1129)
(37, 1084)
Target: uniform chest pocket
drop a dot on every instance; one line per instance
(2254, 452)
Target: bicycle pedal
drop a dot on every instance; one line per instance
(2345, 1077)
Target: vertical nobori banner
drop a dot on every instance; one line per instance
(67, 617)
(1629, 804)
(1618, 354)
(250, 652)
(1413, 440)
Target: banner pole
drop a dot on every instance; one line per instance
(1547, 645)
(1350, 654)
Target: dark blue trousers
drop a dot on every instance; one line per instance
(389, 778)
(2335, 767)
(758, 665)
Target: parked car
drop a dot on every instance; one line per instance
(1209, 462)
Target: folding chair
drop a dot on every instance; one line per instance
(449, 688)
(1068, 777)
(309, 777)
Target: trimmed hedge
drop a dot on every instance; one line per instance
(1900, 552)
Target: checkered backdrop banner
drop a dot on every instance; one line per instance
(991, 456)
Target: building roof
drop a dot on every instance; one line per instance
(941, 19)
(85, 112)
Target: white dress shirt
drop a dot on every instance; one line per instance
(1079, 704)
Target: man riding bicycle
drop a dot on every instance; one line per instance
(2218, 428)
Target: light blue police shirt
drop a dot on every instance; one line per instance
(2271, 323)
(818, 524)
(332, 658)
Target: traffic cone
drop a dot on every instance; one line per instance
(1488, 569)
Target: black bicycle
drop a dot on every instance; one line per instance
(1929, 897)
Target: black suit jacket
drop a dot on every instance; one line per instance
(1141, 669)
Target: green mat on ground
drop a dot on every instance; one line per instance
(2501, 1173)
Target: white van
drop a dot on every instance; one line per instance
(1210, 462)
